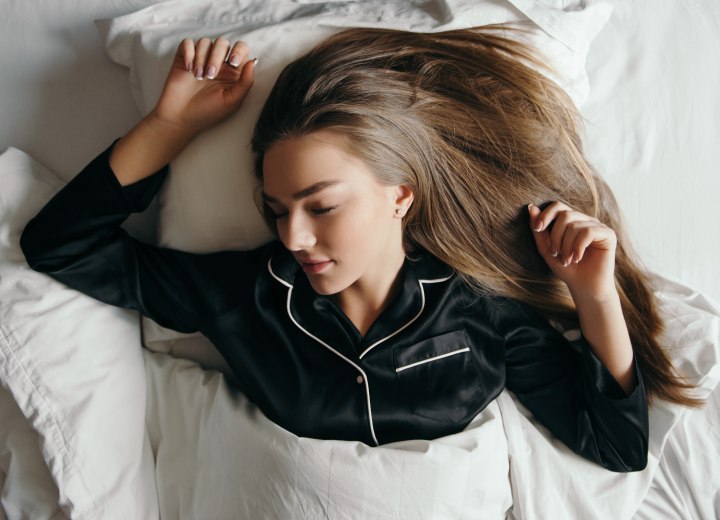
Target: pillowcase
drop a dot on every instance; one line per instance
(206, 204)
(74, 367)
(26, 487)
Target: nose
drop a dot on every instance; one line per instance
(296, 233)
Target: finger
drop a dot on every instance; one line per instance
(542, 238)
(560, 223)
(238, 54)
(583, 239)
(578, 236)
(186, 52)
(202, 49)
(239, 89)
(534, 213)
(548, 214)
(218, 52)
(599, 236)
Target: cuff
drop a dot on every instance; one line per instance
(600, 378)
(138, 195)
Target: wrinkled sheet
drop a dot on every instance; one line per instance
(652, 132)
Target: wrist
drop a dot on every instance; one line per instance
(168, 130)
(597, 296)
(148, 147)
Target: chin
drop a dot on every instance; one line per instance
(325, 288)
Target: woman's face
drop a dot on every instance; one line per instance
(332, 212)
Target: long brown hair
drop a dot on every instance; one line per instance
(464, 118)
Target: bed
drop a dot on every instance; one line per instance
(107, 415)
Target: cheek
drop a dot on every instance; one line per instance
(360, 232)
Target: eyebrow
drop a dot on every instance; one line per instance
(304, 193)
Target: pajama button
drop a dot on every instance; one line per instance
(359, 379)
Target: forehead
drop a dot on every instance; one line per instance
(294, 164)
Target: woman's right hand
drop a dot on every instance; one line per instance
(202, 88)
(187, 106)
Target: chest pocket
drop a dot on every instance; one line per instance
(439, 377)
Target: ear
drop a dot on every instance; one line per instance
(403, 197)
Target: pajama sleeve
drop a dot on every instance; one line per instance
(570, 391)
(77, 239)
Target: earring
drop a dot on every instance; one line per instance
(398, 212)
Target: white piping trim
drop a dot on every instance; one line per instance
(365, 379)
(422, 307)
(436, 280)
(286, 284)
(459, 351)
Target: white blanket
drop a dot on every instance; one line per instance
(653, 113)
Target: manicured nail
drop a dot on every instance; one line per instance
(211, 72)
(198, 73)
(234, 60)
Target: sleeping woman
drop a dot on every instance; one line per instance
(438, 228)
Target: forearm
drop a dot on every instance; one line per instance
(603, 326)
(83, 214)
(149, 146)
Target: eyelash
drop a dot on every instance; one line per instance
(323, 211)
(317, 212)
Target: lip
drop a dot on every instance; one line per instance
(314, 266)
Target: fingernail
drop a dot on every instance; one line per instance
(255, 61)
(188, 65)
(554, 254)
(211, 72)
(234, 60)
(198, 73)
(539, 227)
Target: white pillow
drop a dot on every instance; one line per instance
(26, 487)
(206, 204)
(74, 366)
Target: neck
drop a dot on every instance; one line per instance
(365, 300)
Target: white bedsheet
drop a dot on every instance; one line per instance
(653, 127)
(653, 130)
(687, 483)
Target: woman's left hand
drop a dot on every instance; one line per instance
(579, 249)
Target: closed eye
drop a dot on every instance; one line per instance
(318, 212)
(323, 211)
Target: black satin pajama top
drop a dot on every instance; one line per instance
(431, 361)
